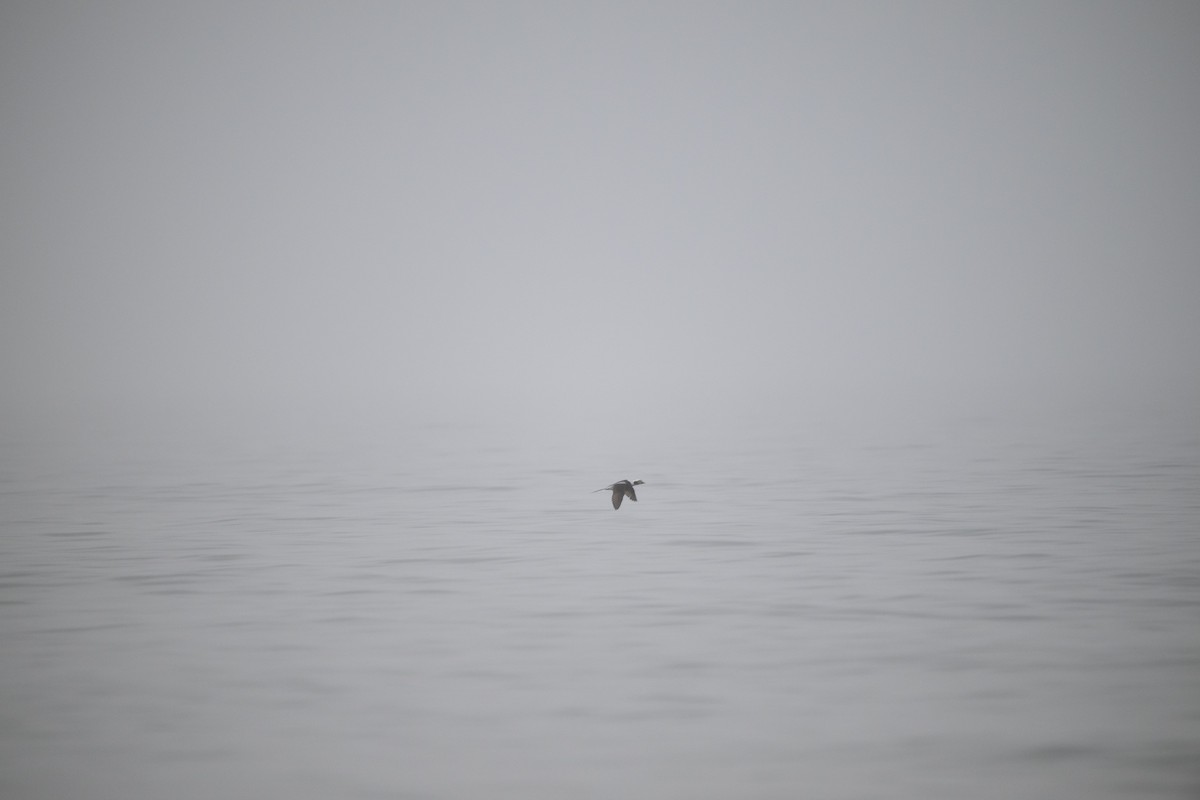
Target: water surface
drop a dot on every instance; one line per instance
(958, 617)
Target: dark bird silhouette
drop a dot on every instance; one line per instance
(621, 490)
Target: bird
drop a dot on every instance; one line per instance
(621, 490)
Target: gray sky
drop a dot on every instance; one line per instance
(543, 213)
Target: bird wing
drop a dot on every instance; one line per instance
(632, 494)
(618, 496)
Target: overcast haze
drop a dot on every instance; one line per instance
(322, 323)
(535, 214)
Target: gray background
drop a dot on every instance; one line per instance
(313, 216)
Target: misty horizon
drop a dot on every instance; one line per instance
(547, 217)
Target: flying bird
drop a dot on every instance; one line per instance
(621, 490)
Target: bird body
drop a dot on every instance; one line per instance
(621, 490)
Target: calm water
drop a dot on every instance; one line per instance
(977, 616)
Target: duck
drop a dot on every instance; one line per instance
(621, 490)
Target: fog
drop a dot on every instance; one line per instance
(608, 216)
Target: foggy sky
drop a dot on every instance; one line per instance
(553, 214)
